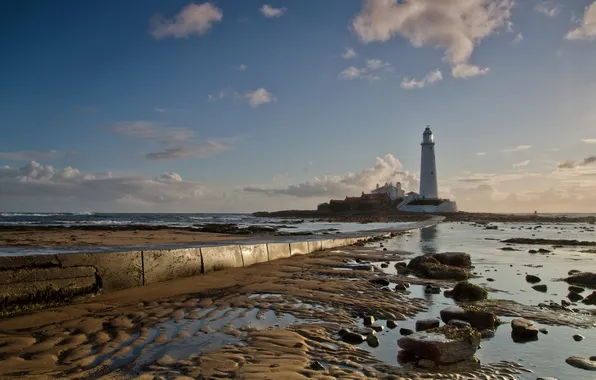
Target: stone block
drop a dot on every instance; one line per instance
(315, 245)
(164, 265)
(327, 244)
(254, 254)
(278, 251)
(17, 275)
(222, 257)
(117, 270)
(299, 248)
(41, 292)
(28, 261)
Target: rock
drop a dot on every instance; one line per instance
(352, 337)
(455, 259)
(367, 268)
(540, 288)
(459, 323)
(479, 319)
(428, 267)
(384, 265)
(565, 303)
(510, 249)
(369, 320)
(427, 324)
(532, 251)
(391, 324)
(581, 363)
(590, 299)
(372, 340)
(523, 328)
(425, 363)
(465, 291)
(379, 281)
(486, 334)
(578, 338)
(444, 345)
(546, 378)
(542, 250)
(573, 271)
(574, 297)
(316, 366)
(405, 332)
(384, 249)
(543, 330)
(584, 278)
(577, 289)
(377, 328)
(532, 279)
(400, 264)
(431, 289)
(490, 279)
(402, 270)
(400, 287)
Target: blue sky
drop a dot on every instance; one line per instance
(262, 105)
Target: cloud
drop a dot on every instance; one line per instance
(589, 141)
(547, 8)
(350, 73)
(518, 148)
(353, 72)
(242, 67)
(481, 154)
(521, 164)
(574, 164)
(33, 155)
(270, 12)
(259, 97)
(175, 142)
(159, 110)
(349, 54)
(518, 38)
(170, 176)
(192, 19)
(386, 169)
(587, 28)
(430, 78)
(455, 25)
(376, 64)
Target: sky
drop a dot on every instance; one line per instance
(241, 106)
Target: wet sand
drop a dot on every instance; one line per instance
(107, 237)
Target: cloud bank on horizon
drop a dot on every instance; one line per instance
(229, 135)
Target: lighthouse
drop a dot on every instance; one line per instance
(428, 167)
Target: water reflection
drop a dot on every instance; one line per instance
(428, 239)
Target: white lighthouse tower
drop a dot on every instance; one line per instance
(428, 167)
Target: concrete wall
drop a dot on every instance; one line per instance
(35, 281)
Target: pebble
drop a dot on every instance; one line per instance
(490, 279)
(391, 324)
(540, 288)
(372, 340)
(532, 279)
(578, 338)
(369, 320)
(543, 330)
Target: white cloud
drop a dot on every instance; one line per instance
(159, 110)
(521, 164)
(455, 25)
(192, 19)
(376, 64)
(548, 8)
(269, 11)
(33, 155)
(242, 67)
(386, 169)
(350, 73)
(481, 154)
(170, 176)
(589, 141)
(259, 97)
(518, 148)
(587, 28)
(518, 38)
(175, 142)
(430, 78)
(349, 53)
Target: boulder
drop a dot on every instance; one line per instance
(523, 328)
(479, 319)
(372, 340)
(427, 324)
(542, 250)
(584, 279)
(429, 267)
(581, 363)
(443, 345)
(574, 297)
(577, 289)
(405, 332)
(351, 337)
(590, 299)
(573, 271)
(454, 259)
(465, 291)
(419, 262)
(540, 288)
(532, 279)
(379, 281)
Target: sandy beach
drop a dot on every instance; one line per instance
(284, 319)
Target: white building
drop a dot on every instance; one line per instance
(428, 200)
(394, 192)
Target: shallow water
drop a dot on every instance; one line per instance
(546, 356)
